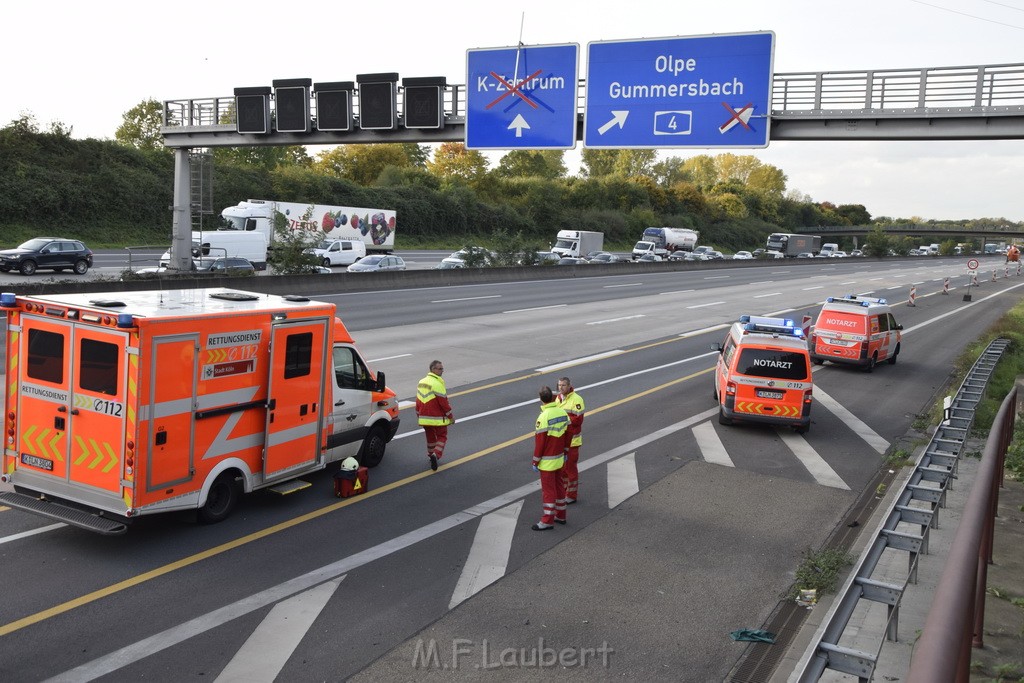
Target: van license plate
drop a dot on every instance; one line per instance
(765, 393)
(41, 463)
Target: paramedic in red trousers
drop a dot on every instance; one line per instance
(434, 412)
(549, 445)
(572, 403)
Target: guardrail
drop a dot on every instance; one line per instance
(938, 91)
(957, 617)
(906, 528)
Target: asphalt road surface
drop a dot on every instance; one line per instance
(307, 587)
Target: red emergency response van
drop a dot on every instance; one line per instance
(856, 330)
(138, 403)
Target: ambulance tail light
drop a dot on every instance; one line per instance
(807, 396)
(730, 388)
(8, 300)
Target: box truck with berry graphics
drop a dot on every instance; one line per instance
(374, 227)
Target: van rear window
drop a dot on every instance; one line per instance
(774, 363)
(840, 321)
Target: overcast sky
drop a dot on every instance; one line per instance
(86, 64)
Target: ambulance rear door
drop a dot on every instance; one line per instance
(295, 394)
(72, 409)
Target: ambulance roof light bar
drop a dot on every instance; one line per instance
(773, 326)
(8, 300)
(856, 300)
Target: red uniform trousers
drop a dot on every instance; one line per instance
(571, 472)
(552, 493)
(437, 437)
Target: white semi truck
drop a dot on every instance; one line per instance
(663, 241)
(374, 227)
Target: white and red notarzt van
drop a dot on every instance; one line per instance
(183, 399)
(856, 330)
(764, 374)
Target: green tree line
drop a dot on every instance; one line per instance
(119, 192)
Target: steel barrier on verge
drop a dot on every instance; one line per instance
(917, 507)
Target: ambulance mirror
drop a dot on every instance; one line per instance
(380, 381)
(716, 347)
(899, 327)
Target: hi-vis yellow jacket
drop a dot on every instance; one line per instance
(432, 406)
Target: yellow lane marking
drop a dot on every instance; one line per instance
(56, 610)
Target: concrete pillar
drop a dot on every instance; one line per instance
(181, 220)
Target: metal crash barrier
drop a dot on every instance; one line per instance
(906, 528)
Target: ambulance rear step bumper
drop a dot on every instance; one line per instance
(62, 513)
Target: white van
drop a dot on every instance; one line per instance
(208, 246)
(339, 252)
(828, 248)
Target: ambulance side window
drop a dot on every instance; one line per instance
(349, 369)
(46, 356)
(297, 354)
(892, 321)
(97, 369)
(883, 323)
(728, 352)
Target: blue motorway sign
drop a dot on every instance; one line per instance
(522, 97)
(697, 91)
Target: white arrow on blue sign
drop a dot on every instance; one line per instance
(522, 97)
(696, 91)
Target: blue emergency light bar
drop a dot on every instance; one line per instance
(864, 301)
(8, 299)
(780, 326)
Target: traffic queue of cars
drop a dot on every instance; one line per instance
(763, 373)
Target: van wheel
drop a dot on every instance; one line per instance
(373, 448)
(326, 263)
(221, 500)
(81, 267)
(892, 358)
(818, 361)
(871, 364)
(722, 419)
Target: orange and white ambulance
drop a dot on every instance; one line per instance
(857, 330)
(764, 374)
(147, 402)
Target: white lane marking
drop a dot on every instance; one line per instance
(713, 328)
(488, 556)
(713, 303)
(680, 291)
(873, 438)
(468, 298)
(211, 620)
(378, 360)
(851, 282)
(577, 361)
(630, 284)
(761, 296)
(896, 287)
(533, 402)
(33, 532)
(814, 463)
(537, 308)
(718, 277)
(918, 283)
(267, 650)
(872, 279)
(616, 320)
(711, 447)
(762, 282)
(622, 480)
(807, 289)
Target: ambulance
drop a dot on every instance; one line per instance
(856, 330)
(156, 401)
(763, 374)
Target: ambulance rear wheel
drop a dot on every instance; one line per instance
(373, 448)
(221, 500)
(871, 364)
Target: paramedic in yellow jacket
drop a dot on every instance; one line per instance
(434, 412)
(572, 403)
(549, 444)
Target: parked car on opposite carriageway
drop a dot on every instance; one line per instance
(377, 263)
(742, 256)
(47, 253)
